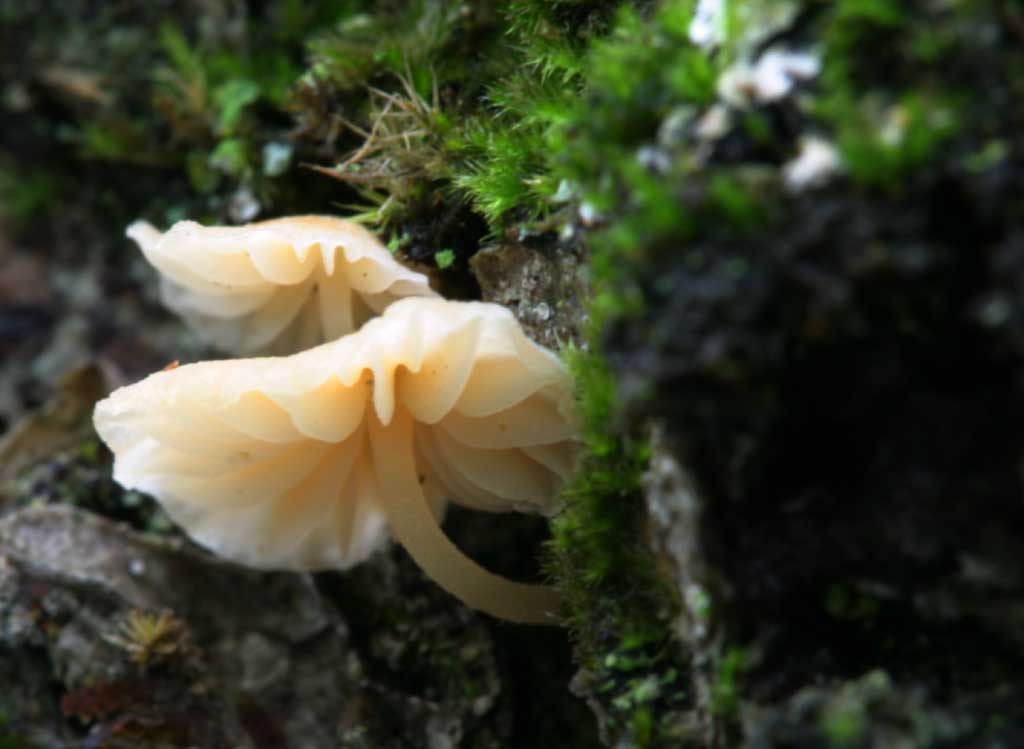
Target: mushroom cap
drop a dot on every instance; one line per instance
(275, 287)
(267, 461)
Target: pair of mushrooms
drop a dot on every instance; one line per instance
(305, 461)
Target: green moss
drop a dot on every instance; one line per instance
(735, 201)
(517, 68)
(879, 143)
(886, 124)
(230, 100)
(444, 259)
(725, 689)
(403, 38)
(849, 714)
(618, 607)
(24, 196)
(203, 96)
(990, 155)
(845, 727)
(641, 76)
(230, 157)
(553, 35)
(116, 138)
(596, 536)
(89, 452)
(503, 169)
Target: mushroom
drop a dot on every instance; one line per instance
(275, 287)
(303, 462)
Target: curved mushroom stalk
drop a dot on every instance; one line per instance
(303, 462)
(414, 526)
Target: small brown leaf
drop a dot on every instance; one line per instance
(63, 421)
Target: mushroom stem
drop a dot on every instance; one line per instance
(415, 527)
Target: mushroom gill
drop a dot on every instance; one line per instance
(275, 287)
(304, 462)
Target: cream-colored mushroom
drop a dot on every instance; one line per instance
(275, 287)
(303, 462)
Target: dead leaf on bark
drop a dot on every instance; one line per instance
(65, 420)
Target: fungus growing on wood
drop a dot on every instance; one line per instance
(303, 462)
(275, 287)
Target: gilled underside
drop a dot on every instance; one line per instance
(304, 462)
(275, 287)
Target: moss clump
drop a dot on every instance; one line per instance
(618, 608)
(459, 102)
(601, 528)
